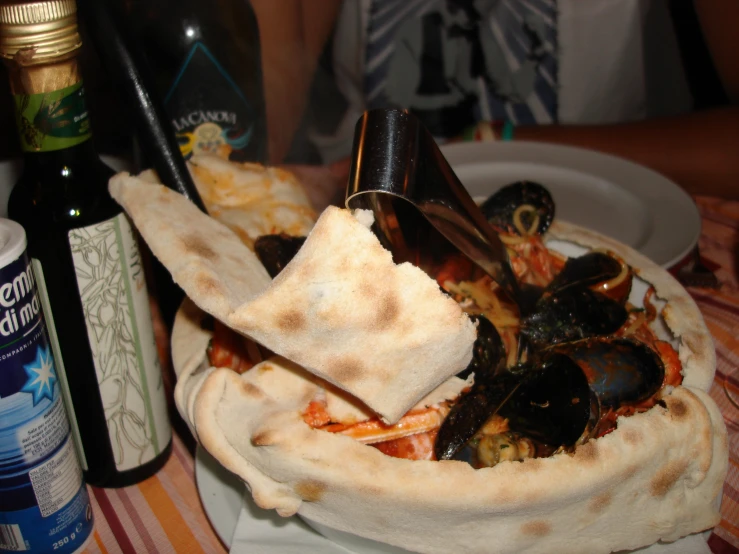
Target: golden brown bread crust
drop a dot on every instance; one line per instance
(384, 333)
(251, 199)
(657, 477)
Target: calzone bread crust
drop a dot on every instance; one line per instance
(657, 477)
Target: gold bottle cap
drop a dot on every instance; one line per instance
(38, 32)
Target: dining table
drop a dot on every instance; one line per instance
(164, 513)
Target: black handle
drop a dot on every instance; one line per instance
(129, 73)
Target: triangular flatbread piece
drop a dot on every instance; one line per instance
(211, 264)
(384, 333)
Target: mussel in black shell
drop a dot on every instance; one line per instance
(558, 396)
(572, 314)
(548, 401)
(488, 351)
(586, 270)
(620, 370)
(276, 251)
(523, 207)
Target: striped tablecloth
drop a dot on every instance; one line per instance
(164, 513)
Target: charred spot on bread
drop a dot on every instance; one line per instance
(372, 491)
(235, 259)
(537, 528)
(678, 409)
(632, 437)
(263, 438)
(588, 452)
(291, 321)
(208, 285)
(252, 391)
(310, 491)
(346, 369)
(197, 246)
(368, 289)
(600, 502)
(629, 472)
(166, 194)
(666, 477)
(505, 495)
(387, 312)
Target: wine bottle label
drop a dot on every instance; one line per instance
(45, 504)
(210, 113)
(115, 303)
(52, 120)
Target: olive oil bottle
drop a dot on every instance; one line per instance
(84, 253)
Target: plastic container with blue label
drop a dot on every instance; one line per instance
(44, 504)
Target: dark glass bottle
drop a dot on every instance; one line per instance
(207, 61)
(85, 256)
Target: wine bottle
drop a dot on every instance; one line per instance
(84, 254)
(207, 60)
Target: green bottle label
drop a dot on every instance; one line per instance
(52, 120)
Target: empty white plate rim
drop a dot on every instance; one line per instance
(613, 196)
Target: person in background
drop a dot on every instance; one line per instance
(603, 74)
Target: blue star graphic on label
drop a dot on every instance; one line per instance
(41, 376)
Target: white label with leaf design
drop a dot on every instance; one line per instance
(112, 287)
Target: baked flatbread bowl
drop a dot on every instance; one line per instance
(656, 477)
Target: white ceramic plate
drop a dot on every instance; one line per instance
(220, 492)
(613, 196)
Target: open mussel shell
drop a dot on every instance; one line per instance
(487, 352)
(467, 416)
(276, 251)
(552, 403)
(619, 370)
(571, 314)
(471, 412)
(548, 402)
(500, 208)
(587, 270)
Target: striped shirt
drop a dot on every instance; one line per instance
(531, 62)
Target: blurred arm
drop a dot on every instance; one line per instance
(292, 34)
(699, 151)
(718, 20)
